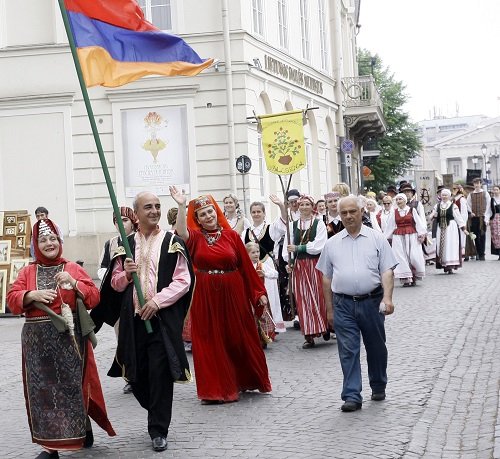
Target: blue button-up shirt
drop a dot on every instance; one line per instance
(355, 264)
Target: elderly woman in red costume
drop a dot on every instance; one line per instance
(308, 236)
(61, 383)
(227, 353)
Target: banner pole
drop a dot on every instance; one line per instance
(100, 152)
(288, 240)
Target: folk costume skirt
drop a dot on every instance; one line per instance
(61, 386)
(309, 299)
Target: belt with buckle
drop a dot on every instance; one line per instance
(216, 271)
(377, 292)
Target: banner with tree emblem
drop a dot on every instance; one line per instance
(283, 142)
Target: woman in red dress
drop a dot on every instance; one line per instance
(227, 353)
(61, 383)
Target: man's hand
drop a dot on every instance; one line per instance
(149, 310)
(389, 306)
(130, 267)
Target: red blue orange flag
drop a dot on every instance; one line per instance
(117, 45)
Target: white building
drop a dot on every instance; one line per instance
(275, 55)
(473, 150)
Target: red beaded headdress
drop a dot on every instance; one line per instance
(200, 203)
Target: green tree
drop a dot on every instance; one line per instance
(400, 143)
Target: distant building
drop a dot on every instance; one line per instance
(456, 145)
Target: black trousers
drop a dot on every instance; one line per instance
(478, 227)
(154, 387)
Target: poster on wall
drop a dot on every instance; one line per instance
(155, 149)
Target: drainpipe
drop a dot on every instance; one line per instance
(229, 96)
(338, 71)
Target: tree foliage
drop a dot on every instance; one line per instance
(400, 142)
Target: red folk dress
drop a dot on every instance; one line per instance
(227, 353)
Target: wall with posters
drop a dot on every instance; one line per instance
(15, 237)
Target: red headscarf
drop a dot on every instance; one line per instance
(200, 203)
(44, 228)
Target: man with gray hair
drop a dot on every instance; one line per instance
(357, 266)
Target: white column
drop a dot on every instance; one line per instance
(444, 165)
(464, 167)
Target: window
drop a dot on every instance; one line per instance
(323, 38)
(283, 23)
(258, 17)
(158, 12)
(304, 26)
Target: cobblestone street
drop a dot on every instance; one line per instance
(442, 396)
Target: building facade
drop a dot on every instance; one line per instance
(274, 56)
(472, 150)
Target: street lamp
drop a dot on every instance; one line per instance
(484, 151)
(474, 161)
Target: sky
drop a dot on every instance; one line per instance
(446, 52)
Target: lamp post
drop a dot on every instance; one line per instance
(474, 161)
(484, 151)
(496, 155)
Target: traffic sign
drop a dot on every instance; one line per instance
(348, 159)
(243, 164)
(347, 146)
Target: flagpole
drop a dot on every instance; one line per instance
(102, 158)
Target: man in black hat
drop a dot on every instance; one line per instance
(413, 203)
(478, 203)
(292, 198)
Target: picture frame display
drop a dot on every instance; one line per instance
(10, 231)
(5, 248)
(10, 219)
(16, 264)
(3, 290)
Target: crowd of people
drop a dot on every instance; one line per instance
(222, 286)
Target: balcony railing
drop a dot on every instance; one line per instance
(360, 92)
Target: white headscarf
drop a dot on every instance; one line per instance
(402, 196)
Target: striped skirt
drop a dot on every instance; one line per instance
(308, 292)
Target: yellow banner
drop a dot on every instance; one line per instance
(283, 142)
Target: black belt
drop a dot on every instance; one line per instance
(377, 292)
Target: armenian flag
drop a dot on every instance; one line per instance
(117, 45)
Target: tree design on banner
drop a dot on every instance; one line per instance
(284, 147)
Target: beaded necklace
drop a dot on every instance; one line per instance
(211, 237)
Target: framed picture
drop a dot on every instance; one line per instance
(10, 230)
(3, 289)
(1, 223)
(16, 265)
(21, 228)
(5, 252)
(10, 219)
(21, 242)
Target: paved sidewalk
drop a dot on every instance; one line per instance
(442, 397)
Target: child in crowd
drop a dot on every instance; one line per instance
(266, 271)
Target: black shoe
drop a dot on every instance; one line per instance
(326, 336)
(378, 396)
(351, 406)
(296, 325)
(127, 389)
(160, 443)
(47, 455)
(308, 344)
(89, 439)
(481, 258)
(466, 259)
